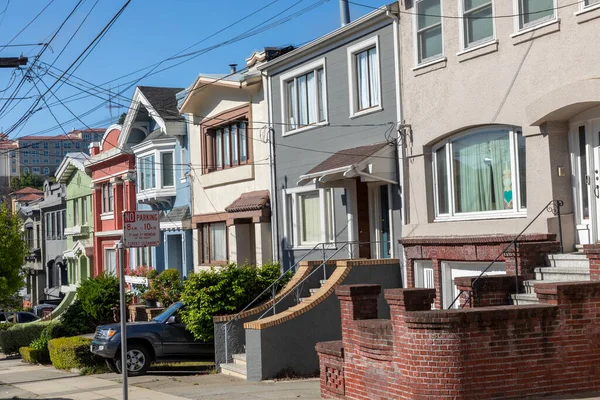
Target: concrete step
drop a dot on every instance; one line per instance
(322, 281)
(562, 274)
(524, 298)
(313, 290)
(577, 260)
(234, 370)
(302, 299)
(240, 359)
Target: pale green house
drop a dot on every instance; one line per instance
(79, 228)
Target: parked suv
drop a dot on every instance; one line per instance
(162, 339)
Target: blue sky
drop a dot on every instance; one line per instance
(147, 32)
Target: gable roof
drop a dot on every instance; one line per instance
(250, 201)
(69, 164)
(28, 190)
(31, 197)
(163, 100)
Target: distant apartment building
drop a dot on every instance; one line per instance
(8, 163)
(41, 155)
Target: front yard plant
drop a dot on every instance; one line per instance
(98, 297)
(74, 352)
(224, 291)
(21, 335)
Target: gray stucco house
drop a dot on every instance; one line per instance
(334, 113)
(54, 220)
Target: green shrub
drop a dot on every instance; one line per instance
(74, 321)
(74, 352)
(21, 335)
(167, 286)
(98, 297)
(4, 326)
(34, 356)
(224, 291)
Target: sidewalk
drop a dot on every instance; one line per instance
(24, 381)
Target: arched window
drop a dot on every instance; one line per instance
(480, 173)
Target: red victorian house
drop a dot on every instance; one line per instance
(113, 178)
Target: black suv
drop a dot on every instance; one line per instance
(162, 339)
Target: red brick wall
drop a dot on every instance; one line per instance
(483, 353)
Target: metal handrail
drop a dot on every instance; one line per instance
(552, 206)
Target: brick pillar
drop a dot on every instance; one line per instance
(530, 255)
(410, 273)
(357, 302)
(437, 282)
(592, 252)
(402, 301)
(118, 202)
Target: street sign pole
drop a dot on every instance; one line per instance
(123, 310)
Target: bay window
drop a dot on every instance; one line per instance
(229, 146)
(167, 170)
(214, 243)
(480, 173)
(147, 175)
(310, 216)
(478, 21)
(429, 30)
(533, 12)
(304, 96)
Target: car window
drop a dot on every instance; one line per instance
(163, 316)
(23, 317)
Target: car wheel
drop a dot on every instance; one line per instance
(138, 360)
(110, 363)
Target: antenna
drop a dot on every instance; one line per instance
(111, 104)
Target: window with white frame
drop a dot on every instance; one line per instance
(144, 256)
(480, 173)
(107, 197)
(167, 170)
(110, 261)
(147, 173)
(364, 76)
(214, 243)
(587, 3)
(304, 96)
(533, 12)
(478, 21)
(310, 218)
(429, 30)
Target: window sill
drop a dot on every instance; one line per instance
(306, 128)
(107, 216)
(227, 176)
(367, 111)
(477, 51)
(587, 14)
(536, 31)
(430, 66)
(490, 216)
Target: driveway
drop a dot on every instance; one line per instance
(24, 381)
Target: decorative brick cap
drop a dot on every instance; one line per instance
(358, 290)
(412, 299)
(479, 239)
(488, 283)
(567, 288)
(592, 250)
(333, 348)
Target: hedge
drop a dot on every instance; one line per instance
(33, 356)
(5, 325)
(74, 352)
(21, 335)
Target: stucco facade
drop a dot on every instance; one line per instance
(224, 232)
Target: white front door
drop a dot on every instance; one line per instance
(584, 153)
(594, 180)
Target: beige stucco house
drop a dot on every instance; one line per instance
(230, 165)
(501, 111)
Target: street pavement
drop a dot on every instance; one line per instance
(24, 381)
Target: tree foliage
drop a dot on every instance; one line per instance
(98, 297)
(224, 291)
(122, 119)
(27, 180)
(13, 249)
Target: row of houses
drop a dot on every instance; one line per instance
(406, 129)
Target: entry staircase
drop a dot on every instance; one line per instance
(568, 267)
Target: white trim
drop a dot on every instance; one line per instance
(107, 216)
(106, 178)
(351, 52)
(116, 232)
(534, 25)
(585, 9)
(430, 63)
(423, 63)
(305, 128)
(303, 69)
(555, 21)
(490, 42)
(108, 130)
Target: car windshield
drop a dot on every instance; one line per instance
(163, 316)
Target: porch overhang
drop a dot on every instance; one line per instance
(373, 163)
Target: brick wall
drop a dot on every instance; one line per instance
(139, 312)
(530, 253)
(486, 291)
(478, 353)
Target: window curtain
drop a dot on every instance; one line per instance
(302, 101)
(311, 217)
(363, 80)
(219, 148)
(292, 109)
(312, 98)
(501, 173)
(374, 76)
(243, 141)
(226, 146)
(322, 89)
(217, 242)
(234, 143)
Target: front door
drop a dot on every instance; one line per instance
(594, 181)
(175, 253)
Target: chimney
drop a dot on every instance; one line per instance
(233, 68)
(344, 12)
(94, 148)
